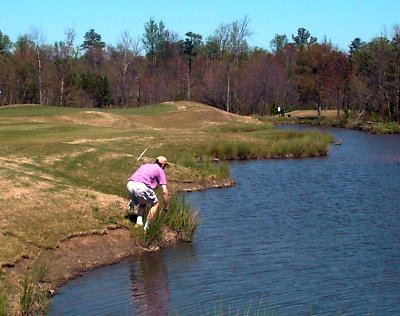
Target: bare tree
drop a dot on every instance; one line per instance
(63, 54)
(37, 38)
(128, 50)
(396, 43)
(238, 38)
(238, 32)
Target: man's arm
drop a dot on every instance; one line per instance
(166, 196)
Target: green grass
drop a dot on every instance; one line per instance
(3, 294)
(26, 299)
(238, 127)
(33, 300)
(387, 128)
(271, 144)
(180, 219)
(144, 110)
(3, 303)
(205, 166)
(20, 132)
(34, 110)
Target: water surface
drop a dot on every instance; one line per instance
(293, 236)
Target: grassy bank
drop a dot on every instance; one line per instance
(348, 120)
(63, 171)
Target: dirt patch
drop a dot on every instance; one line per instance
(90, 118)
(72, 258)
(79, 254)
(312, 113)
(96, 140)
(49, 160)
(197, 115)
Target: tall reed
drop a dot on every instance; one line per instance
(26, 298)
(179, 218)
(205, 166)
(3, 302)
(33, 299)
(3, 294)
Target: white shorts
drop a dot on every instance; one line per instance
(141, 193)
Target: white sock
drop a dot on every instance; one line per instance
(139, 220)
(146, 226)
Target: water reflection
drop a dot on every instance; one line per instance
(150, 293)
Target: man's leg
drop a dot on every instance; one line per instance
(152, 213)
(142, 208)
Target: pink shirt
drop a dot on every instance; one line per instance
(151, 175)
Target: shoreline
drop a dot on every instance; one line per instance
(85, 251)
(368, 127)
(64, 202)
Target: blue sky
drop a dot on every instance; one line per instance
(338, 20)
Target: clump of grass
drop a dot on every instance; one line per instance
(187, 161)
(3, 304)
(33, 299)
(205, 166)
(180, 218)
(222, 171)
(387, 128)
(272, 144)
(229, 149)
(300, 145)
(153, 235)
(219, 169)
(3, 296)
(39, 270)
(27, 295)
(239, 127)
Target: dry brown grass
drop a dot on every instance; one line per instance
(189, 115)
(37, 213)
(312, 113)
(38, 209)
(90, 118)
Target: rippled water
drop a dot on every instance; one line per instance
(294, 236)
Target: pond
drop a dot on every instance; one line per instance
(293, 237)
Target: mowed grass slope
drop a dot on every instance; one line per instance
(63, 171)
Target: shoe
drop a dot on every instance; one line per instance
(130, 205)
(139, 220)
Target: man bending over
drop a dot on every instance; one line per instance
(141, 187)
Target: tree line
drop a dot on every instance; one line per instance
(221, 70)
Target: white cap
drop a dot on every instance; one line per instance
(162, 160)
